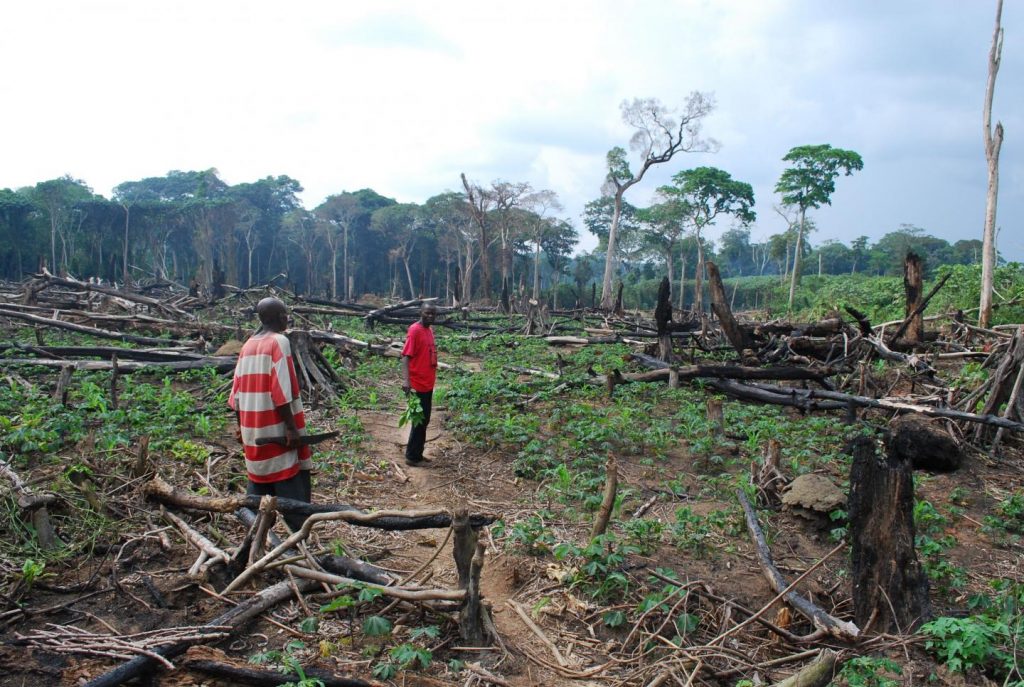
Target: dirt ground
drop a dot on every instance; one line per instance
(136, 585)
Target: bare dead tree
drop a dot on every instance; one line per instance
(658, 135)
(993, 142)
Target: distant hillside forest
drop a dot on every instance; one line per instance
(194, 229)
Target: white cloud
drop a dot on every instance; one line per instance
(402, 96)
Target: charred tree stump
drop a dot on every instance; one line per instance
(468, 552)
(912, 287)
(914, 314)
(617, 308)
(663, 318)
(890, 589)
(720, 305)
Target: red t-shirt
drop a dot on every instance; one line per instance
(265, 379)
(422, 354)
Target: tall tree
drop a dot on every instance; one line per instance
(399, 225)
(480, 206)
(557, 243)
(658, 135)
(57, 198)
(507, 198)
(16, 235)
(710, 192)
(993, 142)
(540, 225)
(810, 183)
(858, 252)
(663, 227)
(335, 217)
(451, 217)
(264, 205)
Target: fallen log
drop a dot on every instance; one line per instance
(831, 400)
(339, 565)
(106, 352)
(821, 620)
(376, 315)
(581, 341)
(93, 331)
(816, 674)
(217, 665)
(219, 363)
(401, 593)
(233, 619)
(161, 491)
(51, 279)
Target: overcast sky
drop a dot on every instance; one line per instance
(403, 96)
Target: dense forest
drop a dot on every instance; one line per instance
(195, 229)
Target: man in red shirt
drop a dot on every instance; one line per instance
(419, 372)
(265, 398)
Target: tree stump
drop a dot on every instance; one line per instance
(663, 319)
(890, 590)
(737, 337)
(468, 552)
(912, 287)
(716, 416)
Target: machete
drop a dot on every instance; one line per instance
(304, 440)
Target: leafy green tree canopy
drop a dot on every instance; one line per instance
(811, 180)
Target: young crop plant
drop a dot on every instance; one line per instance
(644, 533)
(988, 640)
(600, 571)
(870, 671)
(288, 663)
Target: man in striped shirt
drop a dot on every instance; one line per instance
(265, 398)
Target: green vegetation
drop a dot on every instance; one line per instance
(988, 639)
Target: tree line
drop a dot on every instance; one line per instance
(482, 243)
(193, 227)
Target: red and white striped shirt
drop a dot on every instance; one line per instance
(265, 379)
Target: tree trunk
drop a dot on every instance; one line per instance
(663, 319)
(536, 273)
(124, 263)
(890, 590)
(344, 264)
(795, 279)
(698, 279)
(485, 262)
(992, 146)
(408, 274)
(730, 327)
(912, 287)
(609, 259)
(682, 283)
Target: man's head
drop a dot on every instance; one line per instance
(428, 313)
(273, 314)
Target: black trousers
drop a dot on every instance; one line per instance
(418, 433)
(299, 488)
